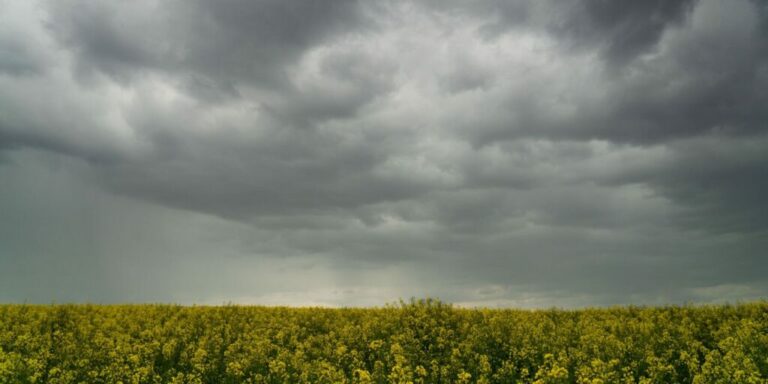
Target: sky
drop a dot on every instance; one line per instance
(524, 153)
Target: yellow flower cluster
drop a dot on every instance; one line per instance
(421, 341)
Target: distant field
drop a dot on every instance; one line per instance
(418, 342)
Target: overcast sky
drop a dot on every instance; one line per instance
(513, 153)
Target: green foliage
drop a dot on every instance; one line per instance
(421, 341)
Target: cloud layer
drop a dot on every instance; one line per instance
(528, 153)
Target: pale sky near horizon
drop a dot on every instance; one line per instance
(499, 153)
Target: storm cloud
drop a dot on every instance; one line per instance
(525, 153)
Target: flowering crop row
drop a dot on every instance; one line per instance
(422, 341)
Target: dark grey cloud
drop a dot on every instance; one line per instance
(513, 153)
(721, 182)
(623, 31)
(221, 45)
(618, 32)
(642, 74)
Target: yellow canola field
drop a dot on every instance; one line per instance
(422, 341)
